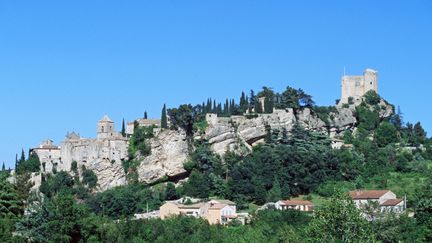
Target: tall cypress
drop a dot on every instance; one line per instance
(3, 167)
(123, 130)
(214, 107)
(226, 107)
(252, 101)
(164, 120)
(145, 114)
(22, 156)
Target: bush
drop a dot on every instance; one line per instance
(372, 98)
(89, 178)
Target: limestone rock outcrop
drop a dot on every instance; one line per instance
(169, 150)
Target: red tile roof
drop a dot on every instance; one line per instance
(367, 194)
(391, 202)
(296, 202)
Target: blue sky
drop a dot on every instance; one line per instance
(64, 64)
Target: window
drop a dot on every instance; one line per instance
(370, 82)
(102, 129)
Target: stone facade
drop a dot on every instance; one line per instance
(103, 155)
(357, 86)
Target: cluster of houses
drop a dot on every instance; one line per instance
(221, 211)
(215, 211)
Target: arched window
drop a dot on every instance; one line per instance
(102, 128)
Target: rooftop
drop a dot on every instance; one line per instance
(106, 119)
(392, 202)
(367, 194)
(296, 202)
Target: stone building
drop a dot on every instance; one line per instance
(105, 152)
(130, 127)
(357, 86)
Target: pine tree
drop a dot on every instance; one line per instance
(145, 114)
(164, 120)
(123, 130)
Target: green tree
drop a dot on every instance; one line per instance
(89, 178)
(145, 115)
(338, 220)
(164, 120)
(385, 134)
(372, 98)
(183, 117)
(3, 167)
(123, 130)
(198, 185)
(275, 194)
(170, 192)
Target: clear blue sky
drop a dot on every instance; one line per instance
(64, 64)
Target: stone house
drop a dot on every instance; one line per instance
(301, 205)
(385, 199)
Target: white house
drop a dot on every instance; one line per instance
(386, 200)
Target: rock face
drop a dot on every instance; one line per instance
(237, 133)
(169, 150)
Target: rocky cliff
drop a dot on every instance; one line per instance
(169, 148)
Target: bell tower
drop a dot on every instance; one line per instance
(105, 128)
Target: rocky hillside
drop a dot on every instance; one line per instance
(240, 133)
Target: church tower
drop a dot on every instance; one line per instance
(105, 128)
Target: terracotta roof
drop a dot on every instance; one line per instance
(367, 194)
(296, 202)
(392, 202)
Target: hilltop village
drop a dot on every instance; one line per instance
(273, 160)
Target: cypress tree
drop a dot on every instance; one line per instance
(145, 114)
(232, 107)
(3, 167)
(226, 107)
(164, 120)
(219, 109)
(16, 161)
(268, 105)
(258, 106)
(123, 130)
(214, 107)
(22, 156)
(251, 101)
(243, 102)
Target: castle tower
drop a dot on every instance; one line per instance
(356, 86)
(105, 128)
(370, 80)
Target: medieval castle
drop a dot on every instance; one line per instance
(357, 86)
